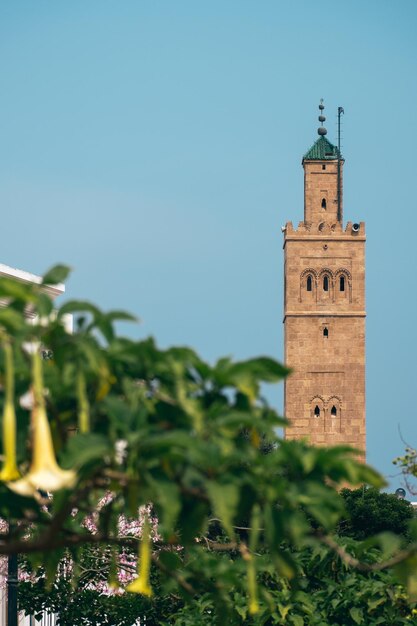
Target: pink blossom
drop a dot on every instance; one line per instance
(4, 526)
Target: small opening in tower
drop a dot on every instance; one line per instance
(326, 283)
(323, 167)
(317, 411)
(342, 283)
(325, 332)
(333, 412)
(323, 204)
(309, 284)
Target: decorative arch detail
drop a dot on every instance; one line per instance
(335, 398)
(343, 284)
(308, 283)
(317, 408)
(325, 284)
(309, 270)
(317, 397)
(326, 270)
(334, 401)
(344, 271)
(334, 415)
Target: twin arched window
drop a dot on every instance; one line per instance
(333, 411)
(320, 407)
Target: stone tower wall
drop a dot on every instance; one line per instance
(320, 183)
(324, 319)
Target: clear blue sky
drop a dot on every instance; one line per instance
(156, 147)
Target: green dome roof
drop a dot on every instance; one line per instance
(322, 150)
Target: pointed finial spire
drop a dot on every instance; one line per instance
(321, 131)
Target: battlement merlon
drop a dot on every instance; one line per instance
(354, 231)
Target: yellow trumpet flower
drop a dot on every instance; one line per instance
(253, 596)
(249, 557)
(141, 583)
(83, 406)
(22, 487)
(9, 470)
(44, 472)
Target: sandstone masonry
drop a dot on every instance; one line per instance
(324, 311)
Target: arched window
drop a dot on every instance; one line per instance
(342, 283)
(326, 283)
(308, 285)
(317, 412)
(333, 412)
(325, 332)
(323, 204)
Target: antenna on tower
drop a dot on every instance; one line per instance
(340, 110)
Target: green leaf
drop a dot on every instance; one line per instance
(50, 563)
(284, 564)
(375, 602)
(262, 369)
(119, 413)
(91, 352)
(224, 500)
(412, 528)
(78, 306)
(44, 305)
(193, 519)
(57, 274)
(104, 325)
(168, 495)
(407, 573)
(10, 288)
(85, 448)
(11, 320)
(324, 504)
(308, 460)
(283, 609)
(273, 527)
(357, 615)
(121, 316)
(389, 543)
(171, 560)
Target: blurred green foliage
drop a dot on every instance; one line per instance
(246, 519)
(370, 511)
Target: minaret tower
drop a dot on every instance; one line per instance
(324, 308)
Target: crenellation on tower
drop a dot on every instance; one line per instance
(320, 229)
(324, 309)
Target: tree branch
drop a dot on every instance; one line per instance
(352, 561)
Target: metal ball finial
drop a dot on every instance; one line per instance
(321, 131)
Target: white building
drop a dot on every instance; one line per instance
(53, 291)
